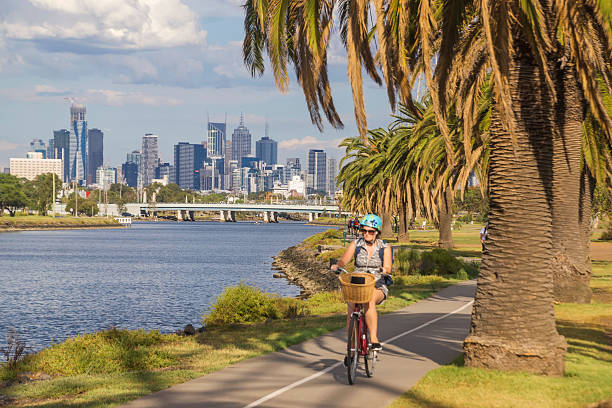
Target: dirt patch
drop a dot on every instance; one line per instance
(601, 251)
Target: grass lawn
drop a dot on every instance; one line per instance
(115, 366)
(588, 363)
(40, 221)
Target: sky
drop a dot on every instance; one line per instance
(153, 66)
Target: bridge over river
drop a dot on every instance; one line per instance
(227, 212)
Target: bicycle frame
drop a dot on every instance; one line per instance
(362, 347)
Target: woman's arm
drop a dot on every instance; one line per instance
(387, 260)
(345, 258)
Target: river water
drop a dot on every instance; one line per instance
(57, 284)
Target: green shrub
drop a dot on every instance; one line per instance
(462, 274)
(439, 262)
(242, 304)
(407, 262)
(110, 351)
(290, 308)
(607, 234)
(467, 218)
(435, 262)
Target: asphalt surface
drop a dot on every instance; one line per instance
(416, 339)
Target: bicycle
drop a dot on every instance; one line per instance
(358, 340)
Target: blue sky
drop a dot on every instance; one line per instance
(152, 66)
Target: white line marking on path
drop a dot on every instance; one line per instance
(328, 369)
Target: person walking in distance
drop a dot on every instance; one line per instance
(371, 255)
(484, 232)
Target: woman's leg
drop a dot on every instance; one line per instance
(371, 316)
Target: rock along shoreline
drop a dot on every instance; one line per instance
(300, 265)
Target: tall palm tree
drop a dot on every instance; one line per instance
(366, 185)
(554, 46)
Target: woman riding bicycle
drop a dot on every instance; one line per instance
(373, 256)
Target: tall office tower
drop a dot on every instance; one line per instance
(215, 145)
(51, 149)
(332, 173)
(95, 156)
(317, 171)
(149, 159)
(134, 157)
(241, 141)
(292, 168)
(61, 145)
(188, 161)
(266, 150)
(165, 170)
(37, 145)
(78, 144)
(130, 173)
(227, 171)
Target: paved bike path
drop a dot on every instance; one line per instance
(416, 339)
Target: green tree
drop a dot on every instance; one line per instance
(86, 206)
(12, 196)
(42, 188)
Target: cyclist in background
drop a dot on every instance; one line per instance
(372, 255)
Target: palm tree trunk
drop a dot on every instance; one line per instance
(445, 219)
(513, 324)
(403, 234)
(387, 228)
(571, 269)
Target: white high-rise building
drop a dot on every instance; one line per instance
(215, 146)
(149, 159)
(34, 165)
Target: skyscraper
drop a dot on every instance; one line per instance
(149, 159)
(292, 168)
(332, 173)
(241, 141)
(317, 171)
(95, 156)
(37, 145)
(61, 144)
(216, 139)
(78, 144)
(266, 150)
(188, 161)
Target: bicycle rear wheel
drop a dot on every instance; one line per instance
(352, 349)
(370, 358)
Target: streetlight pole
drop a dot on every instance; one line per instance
(76, 199)
(53, 177)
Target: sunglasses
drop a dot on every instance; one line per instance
(368, 231)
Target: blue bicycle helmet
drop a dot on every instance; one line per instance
(373, 221)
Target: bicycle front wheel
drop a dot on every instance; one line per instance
(370, 358)
(352, 349)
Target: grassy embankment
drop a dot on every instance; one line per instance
(588, 362)
(26, 222)
(116, 366)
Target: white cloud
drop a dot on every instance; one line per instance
(310, 142)
(119, 98)
(109, 24)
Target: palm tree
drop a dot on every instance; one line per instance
(536, 66)
(418, 159)
(366, 185)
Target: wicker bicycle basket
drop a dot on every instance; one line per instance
(357, 292)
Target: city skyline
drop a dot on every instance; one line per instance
(145, 82)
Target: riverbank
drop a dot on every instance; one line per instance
(35, 222)
(115, 366)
